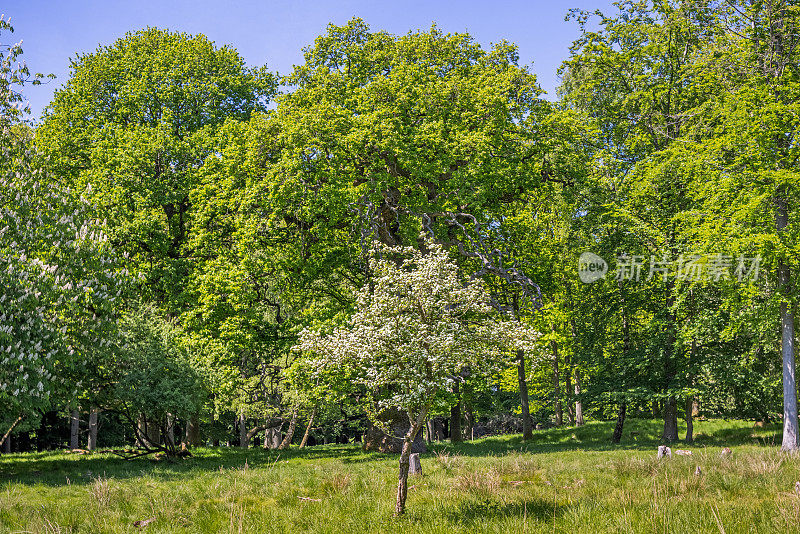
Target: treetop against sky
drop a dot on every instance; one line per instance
(274, 33)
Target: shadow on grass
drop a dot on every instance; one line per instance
(639, 434)
(60, 468)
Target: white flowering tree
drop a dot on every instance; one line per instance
(59, 277)
(417, 324)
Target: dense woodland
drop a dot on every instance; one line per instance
(193, 251)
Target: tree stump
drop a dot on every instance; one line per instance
(414, 465)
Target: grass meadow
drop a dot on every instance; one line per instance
(565, 480)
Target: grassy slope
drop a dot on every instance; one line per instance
(566, 480)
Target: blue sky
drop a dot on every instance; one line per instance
(274, 33)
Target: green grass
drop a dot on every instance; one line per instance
(565, 480)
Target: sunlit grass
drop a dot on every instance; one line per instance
(565, 480)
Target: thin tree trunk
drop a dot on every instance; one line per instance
(91, 443)
(527, 427)
(408, 441)
(626, 347)
(790, 423)
(620, 422)
(170, 424)
(578, 403)
(556, 385)
(568, 388)
(244, 439)
(455, 417)
(690, 400)
(689, 420)
(671, 403)
(6, 440)
(287, 440)
(74, 430)
(308, 428)
(7, 445)
(670, 420)
(141, 434)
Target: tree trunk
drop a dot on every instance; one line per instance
(408, 441)
(91, 443)
(287, 440)
(689, 420)
(6, 439)
(439, 431)
(670, 369)
(272, 437)
(244, 439)
(690, 400)
(620, 422)
(74, 430)
(790, 424)
(469, 418)
(670, 420)
(308, 428)
(192, 438)
(141, 434)
(568, 389)
(527, 427)
(578, 403)
(170, 427)
(626, 347)
(455, 417)
(153, 432)
(556, 385)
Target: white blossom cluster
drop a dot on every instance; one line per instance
(58, 280)
(417, 325)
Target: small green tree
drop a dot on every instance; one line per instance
(154, 378)
(416, 326)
